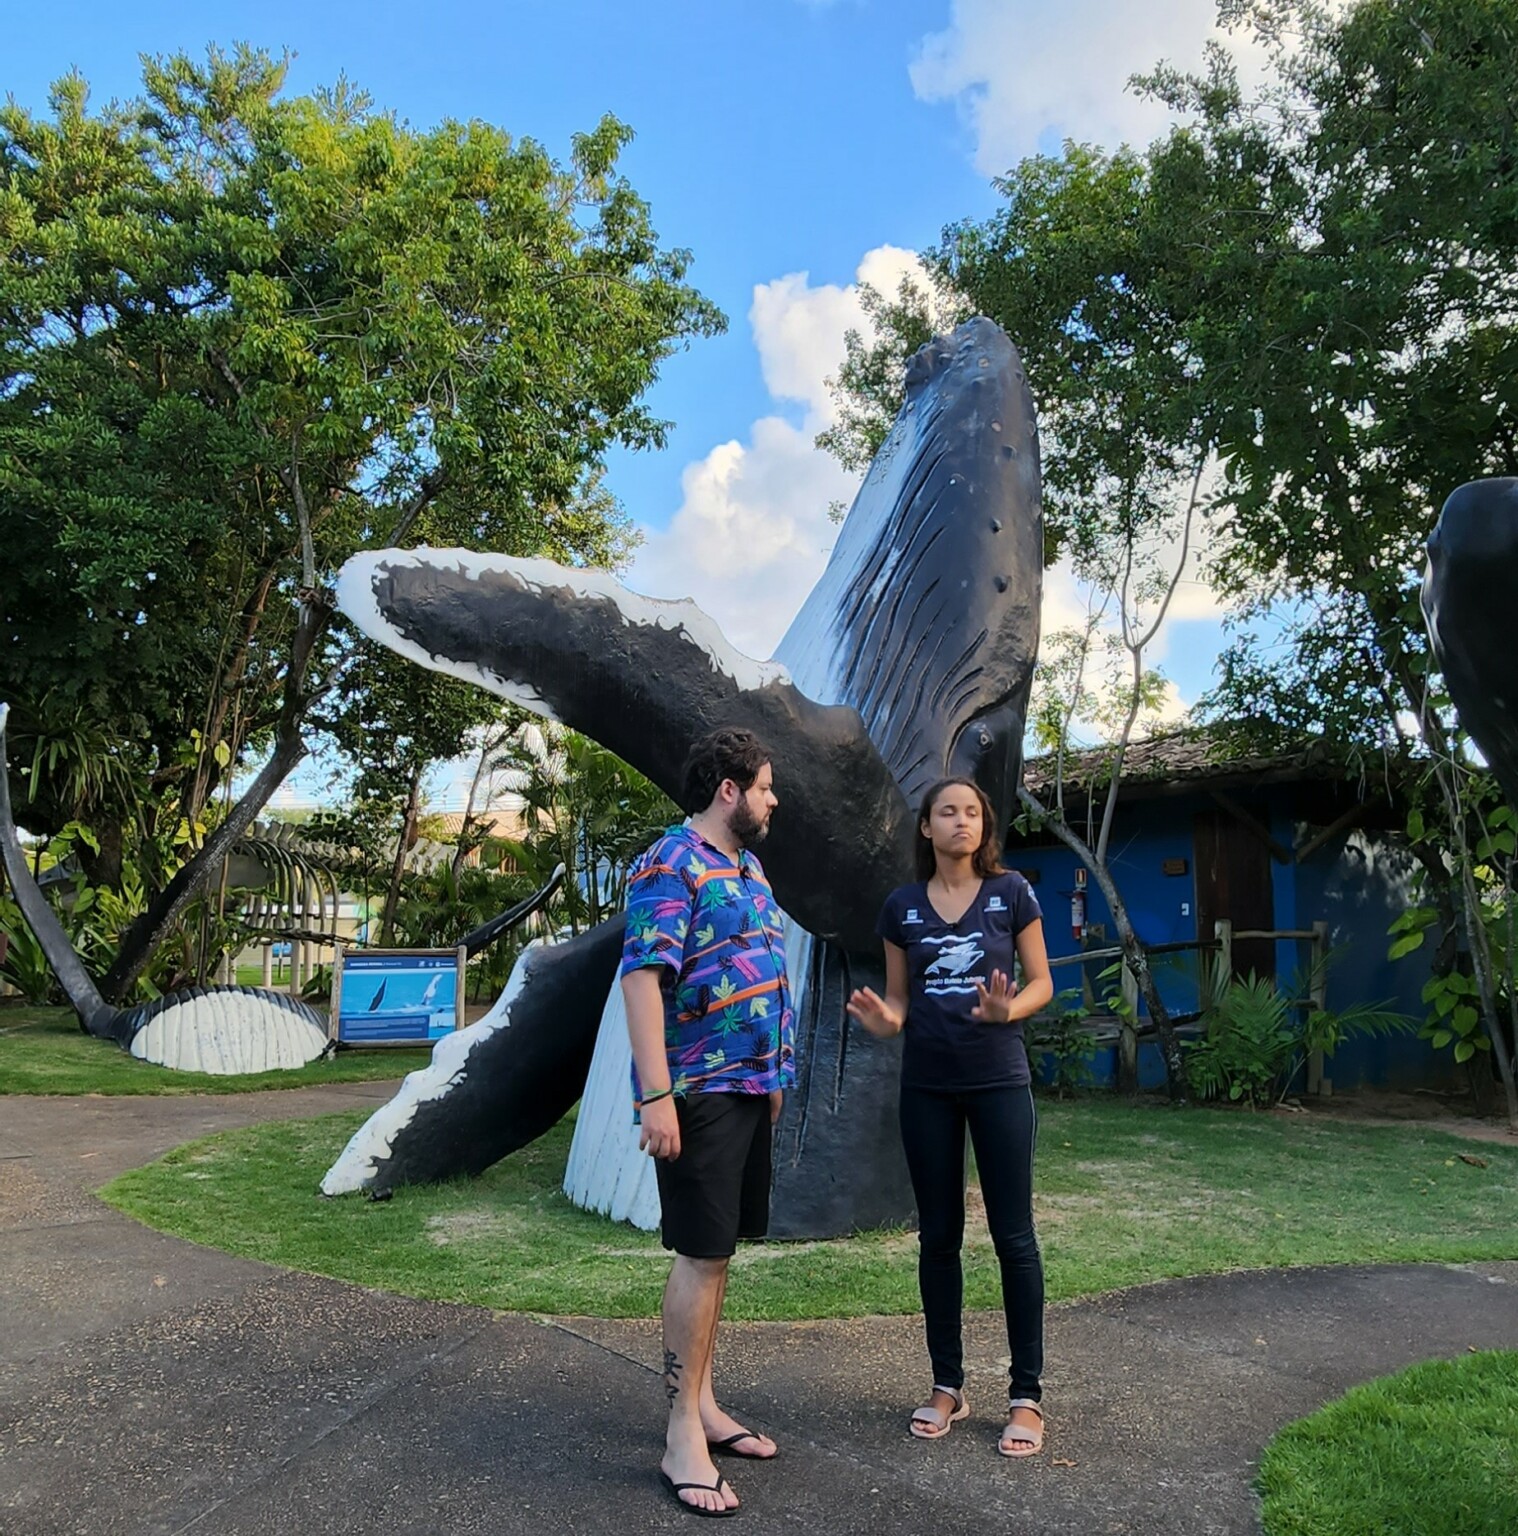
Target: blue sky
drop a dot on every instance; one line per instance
(785, 142)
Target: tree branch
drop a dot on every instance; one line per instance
(432, 483)
(1136, 645)
(142, 939)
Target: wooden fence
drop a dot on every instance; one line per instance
(1225, 935)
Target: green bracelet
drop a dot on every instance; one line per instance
(653, 1098)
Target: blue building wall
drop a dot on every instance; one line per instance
(1355, 883)
(1359, 885)
(1162, 907)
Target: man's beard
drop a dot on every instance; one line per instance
(746, 827)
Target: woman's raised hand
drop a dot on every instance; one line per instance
(871, 1012)
(994, 1003)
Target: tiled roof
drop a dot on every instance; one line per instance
(1180, 756)
(447, 825)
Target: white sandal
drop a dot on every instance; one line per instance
(1015, 1439)
(930, 1423)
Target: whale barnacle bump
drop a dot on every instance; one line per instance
(1002, 583)
(995, 525)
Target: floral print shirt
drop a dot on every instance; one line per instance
(711, 924)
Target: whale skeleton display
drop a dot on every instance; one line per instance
(205, 1029)
(219, 1030)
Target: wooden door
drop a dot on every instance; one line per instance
(1233, 880)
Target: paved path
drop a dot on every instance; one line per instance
(150, 1386)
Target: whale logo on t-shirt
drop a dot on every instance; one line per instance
(950, 971)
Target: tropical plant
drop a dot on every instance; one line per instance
(586, 809)
(1315, 280)
(1063, 1037)
(23, 964)
(244, 335)
(1256, 1037)
(1452, 992)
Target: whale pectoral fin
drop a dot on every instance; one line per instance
(640, 676)
(645, 679)
(497, 1085)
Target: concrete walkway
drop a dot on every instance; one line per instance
(150, 1386)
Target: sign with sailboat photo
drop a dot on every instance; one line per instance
(397, 996)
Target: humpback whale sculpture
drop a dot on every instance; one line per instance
(1468, 604)
(911, 658)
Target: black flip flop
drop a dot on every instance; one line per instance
(729, 1447)
(696, 1509)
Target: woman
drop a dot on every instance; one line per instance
(950, 941)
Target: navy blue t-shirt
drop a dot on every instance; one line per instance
(945, 1048)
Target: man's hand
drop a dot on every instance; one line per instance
(660, 1130)
(777, 1099)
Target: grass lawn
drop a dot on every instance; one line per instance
(1125, 1194)
(43, 1050)
(1433, 1449)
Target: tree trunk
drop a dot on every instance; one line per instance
(1481, 960)
(142, 939)
(398, 868)
(1135, 956)
(488, 749)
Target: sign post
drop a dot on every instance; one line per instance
(395, 997)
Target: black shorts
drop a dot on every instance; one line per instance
(718, 1189)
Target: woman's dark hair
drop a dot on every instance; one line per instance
(987, 859)
(726, 753)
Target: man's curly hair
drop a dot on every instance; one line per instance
(729, 752)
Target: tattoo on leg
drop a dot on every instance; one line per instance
(671, 1375)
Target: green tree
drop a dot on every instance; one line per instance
(1314, 284)
(1066, 268)
(1371, 369)
(585, 809)
(395, 721)
(244, 335)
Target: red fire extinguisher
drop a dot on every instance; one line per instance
(1078, 906)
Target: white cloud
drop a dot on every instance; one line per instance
(753, 533)
(1018, 69)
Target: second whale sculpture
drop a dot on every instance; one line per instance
(912, 658)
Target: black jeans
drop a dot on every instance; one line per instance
(1003, 1125)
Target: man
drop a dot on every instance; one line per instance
(709, 1016)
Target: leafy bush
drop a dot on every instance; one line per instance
(1065, 1040)
(1257, 1038)
(25, 967)
(1451, 993)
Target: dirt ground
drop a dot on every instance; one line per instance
(1453, 1113)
